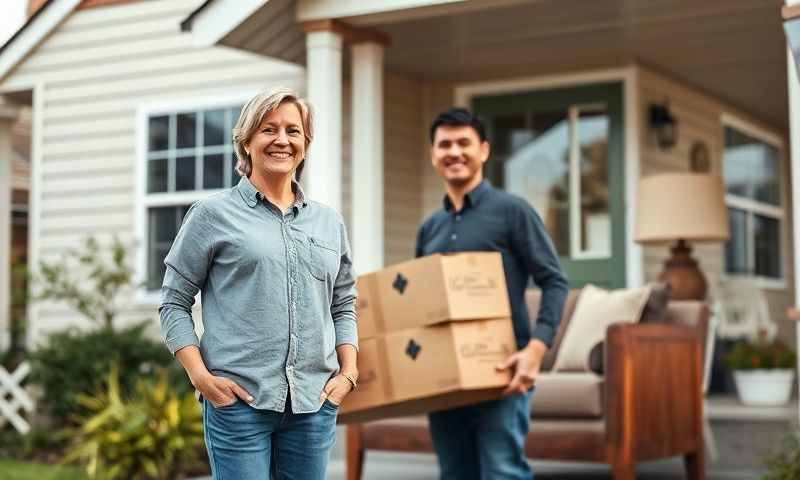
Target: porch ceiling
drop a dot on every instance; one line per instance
(734, 49)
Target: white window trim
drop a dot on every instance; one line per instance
(754, 207)
(145, 297)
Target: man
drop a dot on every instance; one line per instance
(486, 440)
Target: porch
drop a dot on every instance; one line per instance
(377, 73)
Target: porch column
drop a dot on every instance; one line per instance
(323, 171)
(794, 182)
(7, 117)
(366, 133)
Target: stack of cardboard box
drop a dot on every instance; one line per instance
(431, 332)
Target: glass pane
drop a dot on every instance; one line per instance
(213, 172)
(157, 175)
(508, 132)
(233, 118)
(163, 225)
(751, 167)
(736, 248)
(186, 130)
(184, 173)
(214, 127)
(158, 133)
(766, 232)
(536, 167)
(235, 177)
(162, 230)
(595, 211)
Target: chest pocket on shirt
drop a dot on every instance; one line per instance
(324, 259)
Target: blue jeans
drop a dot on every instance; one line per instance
(485, 441)
(244, 443)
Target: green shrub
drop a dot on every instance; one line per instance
(785, 464)
(87, 279)
(156, 434)
(75, 362)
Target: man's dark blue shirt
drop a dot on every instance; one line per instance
(494, 220)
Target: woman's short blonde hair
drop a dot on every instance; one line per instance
(253, 114)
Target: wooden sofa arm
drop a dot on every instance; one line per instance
(653, 389)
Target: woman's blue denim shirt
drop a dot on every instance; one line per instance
(278, 293)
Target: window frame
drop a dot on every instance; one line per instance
(753, 207)
(576, 252)
(144, 200)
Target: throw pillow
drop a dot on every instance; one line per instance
(595, 311)
(655, 311)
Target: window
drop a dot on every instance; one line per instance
(558, 161)
(751, 169)
(189, 154)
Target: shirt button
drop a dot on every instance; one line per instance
(453, 237)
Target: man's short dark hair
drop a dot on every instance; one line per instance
(458, 117)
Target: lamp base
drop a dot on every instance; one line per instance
(683, 274)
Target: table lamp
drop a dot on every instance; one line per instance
(680, 208)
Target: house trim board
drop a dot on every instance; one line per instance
(32, 33)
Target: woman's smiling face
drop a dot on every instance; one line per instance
(278, 145)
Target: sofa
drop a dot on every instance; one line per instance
(641, 398)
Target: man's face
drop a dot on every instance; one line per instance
(458, 155)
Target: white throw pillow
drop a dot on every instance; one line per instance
(596, 309)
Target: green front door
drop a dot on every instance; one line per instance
(562, 150)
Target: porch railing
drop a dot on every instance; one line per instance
(14, 399)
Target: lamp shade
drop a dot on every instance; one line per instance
(681, 206)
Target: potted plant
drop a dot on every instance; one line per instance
(763, 370)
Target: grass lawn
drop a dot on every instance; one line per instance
(11, 470)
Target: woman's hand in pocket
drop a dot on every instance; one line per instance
(221, 391)
(336, 389)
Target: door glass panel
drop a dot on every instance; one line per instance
(736, 248)
(595, 212)
(536, 167)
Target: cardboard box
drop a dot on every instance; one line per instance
(430, 368)
(366, 307)
(373, 382)
(431, 290)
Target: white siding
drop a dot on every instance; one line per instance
(98, 68)
(437, 97)
(403, 148)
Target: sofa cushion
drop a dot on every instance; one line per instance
(568, 395)
(532, 299)
(595, 310)
(655, 311)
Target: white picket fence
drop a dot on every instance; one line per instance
(14, 398)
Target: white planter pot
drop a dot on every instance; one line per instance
(764, 387)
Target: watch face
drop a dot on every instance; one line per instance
(699, 158)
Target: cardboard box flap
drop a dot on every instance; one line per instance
(412, 289)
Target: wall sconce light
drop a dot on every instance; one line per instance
(663, 126)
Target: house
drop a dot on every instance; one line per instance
(131, 101)
(99, 78)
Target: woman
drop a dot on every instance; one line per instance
(278, 353)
